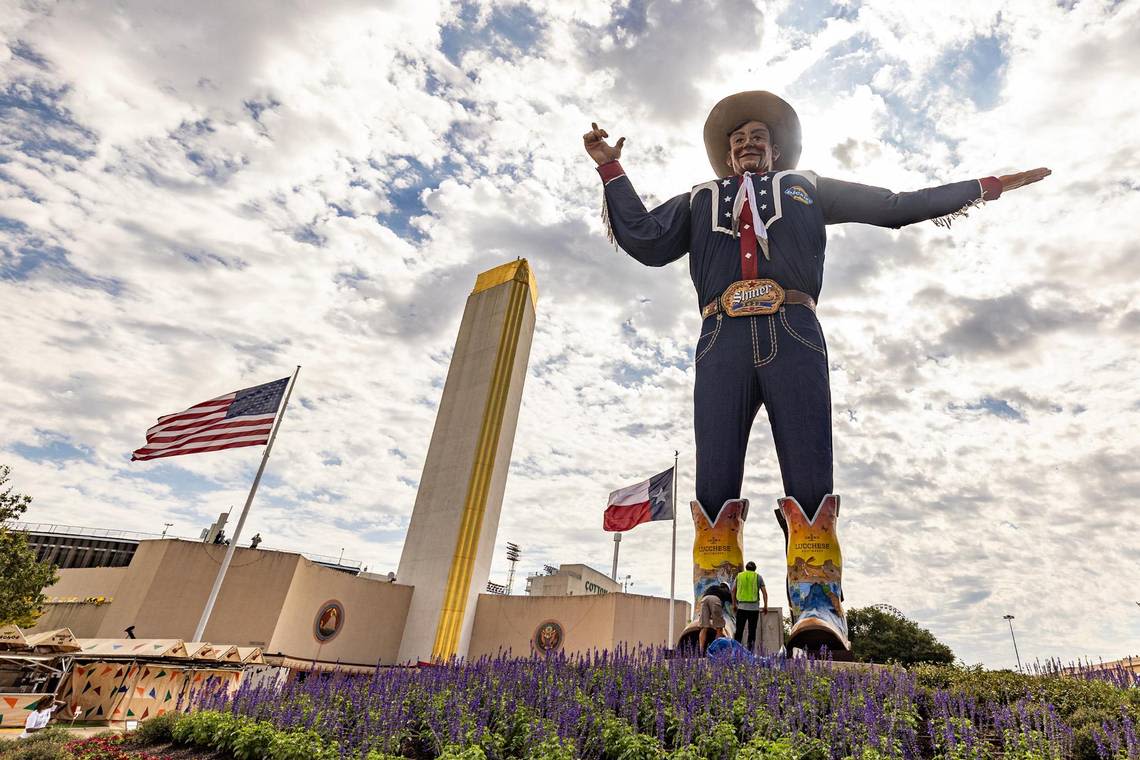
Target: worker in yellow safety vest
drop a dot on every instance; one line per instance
(746, 593)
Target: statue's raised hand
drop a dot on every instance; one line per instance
(599, 150)
(1020, 179)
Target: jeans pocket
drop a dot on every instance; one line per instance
(804, 327)
(708, 339)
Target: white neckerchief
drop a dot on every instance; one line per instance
(747, 191)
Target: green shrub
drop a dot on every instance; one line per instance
(785, 748)
(375, 754)
(552, 748)
(455, 752)
(301, 745)
(719, 744)
(198, 729)
(252, 740)
(156, 730)
(249, 739)
(47, 744)
(621, 742)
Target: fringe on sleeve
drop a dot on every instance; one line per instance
(606, 220)
(948, 219)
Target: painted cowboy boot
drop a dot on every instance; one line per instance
(815, 577)
(718, 556)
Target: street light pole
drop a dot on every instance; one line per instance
(1009, 619)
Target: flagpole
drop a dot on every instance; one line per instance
(201, 629)
(617, 545)
(673, 556)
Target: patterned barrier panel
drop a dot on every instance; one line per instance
(14, 708)
(136, 691)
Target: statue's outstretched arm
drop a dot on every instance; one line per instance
(853, 202)
(654, 238)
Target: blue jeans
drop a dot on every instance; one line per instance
(778, 361)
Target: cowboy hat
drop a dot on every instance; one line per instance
(753, 105)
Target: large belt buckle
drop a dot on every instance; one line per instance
(746, 298)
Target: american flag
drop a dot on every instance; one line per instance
(242, 418)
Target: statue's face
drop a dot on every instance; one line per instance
(750, 148)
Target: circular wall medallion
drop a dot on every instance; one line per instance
(548, 637)
(329, 621)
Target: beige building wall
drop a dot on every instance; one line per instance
(170, 580)
(375, 613)
(508, 623)
(269, 599)
(84, 620)
(596, 621)
(644, 620)
(81, 581)
(470, 450)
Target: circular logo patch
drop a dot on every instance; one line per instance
(548, 637)
(329, 621)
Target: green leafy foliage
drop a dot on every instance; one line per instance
(48, 744)
(22, 579)
(454, 752)
(785, 748)
(156, 730)
(552, 748)
(878, 636)
(621, 742)
(1084, 704)
(247, 739)
(56, 743)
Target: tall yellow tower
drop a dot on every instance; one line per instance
(451, 537)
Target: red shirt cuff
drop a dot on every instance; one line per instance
(610, 171)
(991, 188)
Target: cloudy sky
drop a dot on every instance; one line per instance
(195, 198)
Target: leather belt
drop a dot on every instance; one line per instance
(755, 297)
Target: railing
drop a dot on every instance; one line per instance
(135, 536)
(75, 530)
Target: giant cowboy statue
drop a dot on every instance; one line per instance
(755, 238)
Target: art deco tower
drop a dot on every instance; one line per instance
(447, 552)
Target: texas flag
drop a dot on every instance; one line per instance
(644, 502)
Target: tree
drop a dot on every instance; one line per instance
(22, 579)
(880, 636)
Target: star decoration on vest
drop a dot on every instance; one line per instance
(727, 182)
